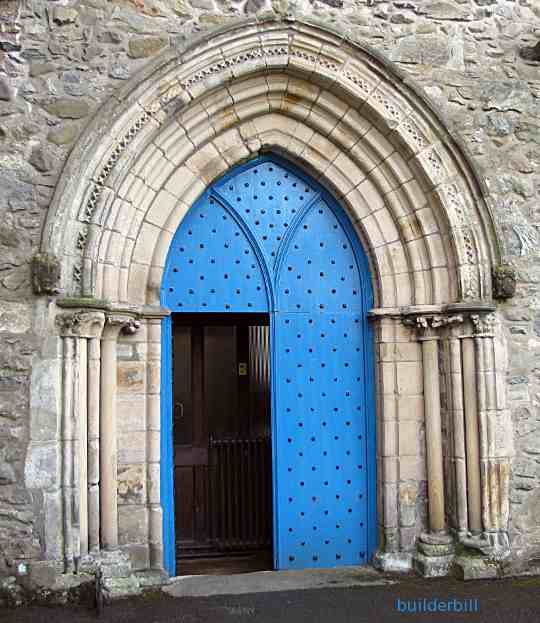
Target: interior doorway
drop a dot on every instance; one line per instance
(222, 442)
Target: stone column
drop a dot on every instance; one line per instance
(494, 462)
(435, 547)
(471, 433)
(77, 329)
(94, 383)
(432, 415)
(458, 375)
(108, 437)
(81, 465)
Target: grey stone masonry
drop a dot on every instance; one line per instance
(476, 64)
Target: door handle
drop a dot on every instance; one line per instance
(178, 410)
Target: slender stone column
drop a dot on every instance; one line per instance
(472, 442)
(432, 413)
(494, 462)
(77, 329)
(435, 547)
(81, 472)
(108, 437)
(94, 364)
(426, 327)
(457, 376)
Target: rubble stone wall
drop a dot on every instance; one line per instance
(60, 60)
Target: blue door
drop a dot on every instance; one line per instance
(266, 238)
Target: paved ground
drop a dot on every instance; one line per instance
(499, 601)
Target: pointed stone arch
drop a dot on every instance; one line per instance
(333, 105)
(343, 113)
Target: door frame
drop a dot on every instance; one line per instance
(167, 459)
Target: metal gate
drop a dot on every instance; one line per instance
(266, 238)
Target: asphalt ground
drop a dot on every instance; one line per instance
(514, 600)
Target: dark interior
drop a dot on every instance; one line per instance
(222, 443)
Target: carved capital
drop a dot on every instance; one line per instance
(444, 321)
(131, 326)
(483, 324)
(427, 324)
(124, 324)
(81, 324)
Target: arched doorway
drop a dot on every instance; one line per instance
(266, 239)
(344, 114)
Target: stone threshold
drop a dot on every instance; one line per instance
(273, 581)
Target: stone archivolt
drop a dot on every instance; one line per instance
(327, 104)
(344, 115)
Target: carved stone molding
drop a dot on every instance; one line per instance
(131, 327)
(125, 324)
(81, 324)
(427, 324)
(483, 324)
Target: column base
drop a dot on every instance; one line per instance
(117, 577)
(482, 556)
(475, 568)
(435, 555)
(433, 566)
(491, 544)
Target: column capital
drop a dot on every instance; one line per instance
(483, 324)
(81, 323)
(427, 325)
(123, 323)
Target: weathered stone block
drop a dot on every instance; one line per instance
(131, 413)
(133, 524)
(42, 466)
(116, 588)
(132, 484)
(393, 562)
(432, 566)
(131, 376)
(139, 558)
(52, 513)
(143, 47)
(409, 378)
(15, 317)
(474, 568)
(66, 108)
(45, 400)
(63, 135)
(64, 15)
(132, 447)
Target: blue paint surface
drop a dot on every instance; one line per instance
(166, 448)
(267, 238)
